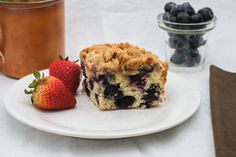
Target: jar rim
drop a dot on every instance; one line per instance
(164, 25)
(25, 3)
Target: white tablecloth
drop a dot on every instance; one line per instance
(108, 21)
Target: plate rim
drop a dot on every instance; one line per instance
(119, 135)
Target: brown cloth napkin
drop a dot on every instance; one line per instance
(223, 109)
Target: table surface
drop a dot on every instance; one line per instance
(94, 21)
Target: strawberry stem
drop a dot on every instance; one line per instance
(60, 57)
(65, 59)
(76, 61)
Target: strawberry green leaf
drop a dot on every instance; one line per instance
(34, 84)
(37, 75)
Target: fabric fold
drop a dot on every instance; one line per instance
(223, 109)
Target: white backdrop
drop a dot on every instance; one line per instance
(108, 21)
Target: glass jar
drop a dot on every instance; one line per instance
(186, 44)
(31, 35)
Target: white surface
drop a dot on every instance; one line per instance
(97, 21)
(87, 121)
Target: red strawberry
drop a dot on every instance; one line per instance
(49, 93)
(68, 72)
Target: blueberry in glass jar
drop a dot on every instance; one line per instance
(187, 33)
(194, 53)
(182, 43)
(174, 10)
(180, 8)
(188, 8)
(189, 61)
(197, 18)
(183, 17)
(178, 42)
(207, 13)
(196, 41)
(168, 17)
(192, 57)
(172, 42)
(168, 6)
(178, 57)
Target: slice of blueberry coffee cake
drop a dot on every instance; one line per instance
(123, 76)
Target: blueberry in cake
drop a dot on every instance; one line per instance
(123, 76)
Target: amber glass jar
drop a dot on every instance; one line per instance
(31, 35)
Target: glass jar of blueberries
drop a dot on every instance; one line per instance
(186, 34)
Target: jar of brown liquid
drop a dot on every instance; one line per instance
(31, 35)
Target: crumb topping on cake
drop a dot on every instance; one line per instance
(104, 58)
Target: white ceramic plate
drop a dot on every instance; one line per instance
(86, 121)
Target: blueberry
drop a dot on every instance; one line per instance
(189, 61)
(192, 57)
(181, 8)
(174, 10)
(169, 17)
(173, 19)
(196, 41)
(96, 97)
(91, 85)
(166, 16)
(152, 94)
(153, 88)
(83, 69)
(177, 57)
(183, 17)
(172, 42)
(179, 42)
(188, 8)
(147, 104)
(110, 91)
(197, 18)
(118, 95)
(207, 13)
(182, 44)
(141, 83)
(135, 78)
(195, 55)
(198, 59)
(138, 79)
(106, 79)
(168, 6)
(146, 69)
(171, 34)
(125, 102)
(87, 91)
